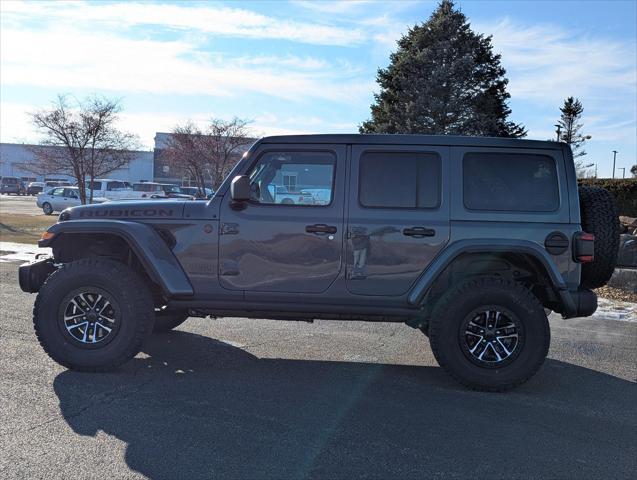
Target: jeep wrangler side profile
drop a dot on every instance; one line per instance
(469, 240)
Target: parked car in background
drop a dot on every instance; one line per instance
(49, 184)
(35, 187)
(160, 190)
(321, 196)
(281, 194)
(112, 189)
(195, 192)
(59, 198)
(12, 185)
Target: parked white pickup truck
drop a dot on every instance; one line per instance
(112, 189)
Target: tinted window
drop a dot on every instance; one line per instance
(115, 186)
(70, 193)
(95, 185)
(293, 178)
(510, 182)
(57, 192)
(399, 180)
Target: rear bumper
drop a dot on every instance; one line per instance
(579, 303)
(33, 275)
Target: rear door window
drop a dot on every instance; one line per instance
(399, 180)
(510, 182)
(111, 186)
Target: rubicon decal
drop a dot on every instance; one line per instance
(127, 212)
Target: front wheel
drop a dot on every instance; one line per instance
(47, 208)
(93, 314)
(490, 334)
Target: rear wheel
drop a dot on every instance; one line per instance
(93, 314)
(490, 334)
(166, 320)
(47, 208)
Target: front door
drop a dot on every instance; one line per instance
(267, 245)
(398, 216)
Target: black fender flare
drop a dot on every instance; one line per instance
(492, 245)
(160, 263)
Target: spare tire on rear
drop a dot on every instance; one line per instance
(599, 217)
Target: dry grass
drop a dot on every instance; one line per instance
(24, 228)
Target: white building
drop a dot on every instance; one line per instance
(14, 155)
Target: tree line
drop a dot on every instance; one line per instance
(443, 79)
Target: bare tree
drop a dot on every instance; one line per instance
(81, 140)
(210, 152)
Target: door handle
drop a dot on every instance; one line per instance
(419, 232)
(320, 229)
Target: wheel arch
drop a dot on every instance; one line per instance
(147, 245)
(521, 260)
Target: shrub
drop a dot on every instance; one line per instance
(624, 191)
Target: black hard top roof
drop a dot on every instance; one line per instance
(394, 139)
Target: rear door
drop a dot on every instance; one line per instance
(398, 216)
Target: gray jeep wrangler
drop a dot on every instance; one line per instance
(470, 240)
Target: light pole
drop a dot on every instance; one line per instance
(614, 158)
(558, 130)
(623, 169)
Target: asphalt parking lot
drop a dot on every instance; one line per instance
(249, 399)
(21, 204)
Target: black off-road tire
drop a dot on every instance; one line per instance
(134, 311)
(599, 217)
(450, 314)
(166, 320)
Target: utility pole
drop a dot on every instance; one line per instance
(595, 170)
(623, 169)
(558, 130)
(614, 158)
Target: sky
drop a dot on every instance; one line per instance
(307, 67)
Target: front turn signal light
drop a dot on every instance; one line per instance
(47, 236)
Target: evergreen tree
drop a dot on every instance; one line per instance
(633, 170)
(443, 79)
(570, 132)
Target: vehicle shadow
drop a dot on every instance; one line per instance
(193, 407)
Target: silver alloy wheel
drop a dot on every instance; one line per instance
(89, 317)
(47, 208)
(491, 337)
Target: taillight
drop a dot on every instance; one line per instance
(584, 247)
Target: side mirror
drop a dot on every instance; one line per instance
(240, 188)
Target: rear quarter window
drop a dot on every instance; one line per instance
(510, 182)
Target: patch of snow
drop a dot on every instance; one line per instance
(615, 310)
(10, 251)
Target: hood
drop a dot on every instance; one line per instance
(133, 210)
